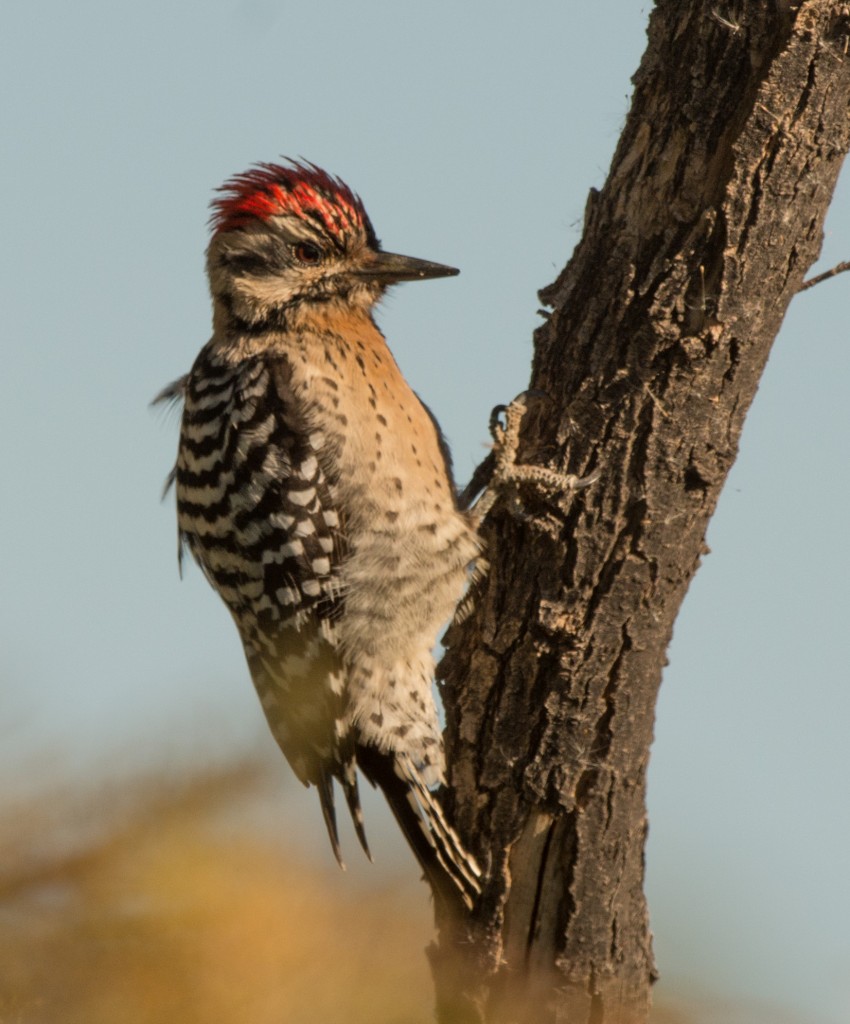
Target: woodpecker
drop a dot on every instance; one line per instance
(315, 491)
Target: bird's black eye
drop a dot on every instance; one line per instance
(308, 254)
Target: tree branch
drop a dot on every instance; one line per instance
(660, 327)
(839, 268)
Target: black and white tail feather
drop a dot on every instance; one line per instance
(449, 868)
(451, 871)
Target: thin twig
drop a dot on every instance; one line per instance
(839, 268)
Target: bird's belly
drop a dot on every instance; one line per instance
(403, 579)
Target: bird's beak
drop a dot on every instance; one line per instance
(388, 267)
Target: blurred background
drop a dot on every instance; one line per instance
(159, 863)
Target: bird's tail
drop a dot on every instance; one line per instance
(345, 772)
(451, 871)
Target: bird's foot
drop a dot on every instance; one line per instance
(505, 475)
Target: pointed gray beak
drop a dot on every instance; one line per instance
(389, 267)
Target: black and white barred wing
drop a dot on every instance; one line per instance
(255, 509)
(290, 635)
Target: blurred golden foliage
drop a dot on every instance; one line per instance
(163, 915)
(150, 904)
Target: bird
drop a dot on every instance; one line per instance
(315, 491)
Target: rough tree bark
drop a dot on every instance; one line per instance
(659, 329)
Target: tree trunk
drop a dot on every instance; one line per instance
(659, 330)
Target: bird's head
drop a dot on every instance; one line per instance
(287, 235)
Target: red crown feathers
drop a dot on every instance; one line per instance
(299, 188)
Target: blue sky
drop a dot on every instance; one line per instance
(472, 133)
